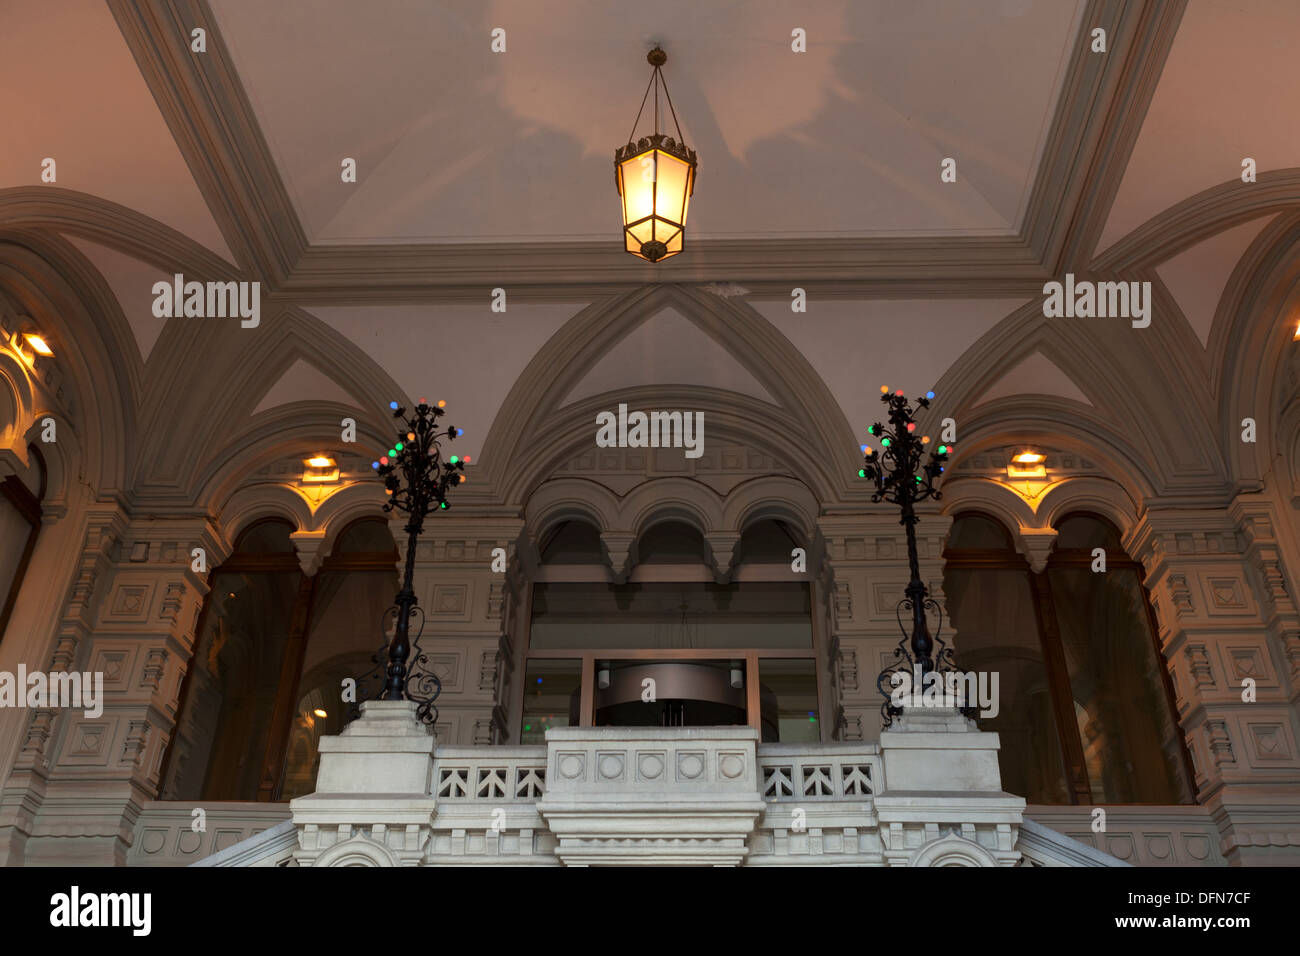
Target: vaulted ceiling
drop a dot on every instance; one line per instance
(819, 170)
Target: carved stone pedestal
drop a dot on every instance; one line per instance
(373, 804)
(642, 795)
(943, 803)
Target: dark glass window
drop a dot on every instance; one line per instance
(1085, 713)
(20, 522)
(273, 649)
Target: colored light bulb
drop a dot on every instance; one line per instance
(911, 426)
(453, 459)
(410, 436)
(392, 453)
(467, 459)
(442, 404)
(884, 390)
(862, 473)
(459, 432)
(929, 394)
(424, 401)
(925, 439)
(899, 392)
(462, 479)
(943, 449)
(443, 505)
(374, 465)
(384, 460)
(885, 442)
(398, 446)
(393, 406)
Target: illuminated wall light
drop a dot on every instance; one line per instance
(319, 712)
(38, 345)
(320, 469)
(1027, 464)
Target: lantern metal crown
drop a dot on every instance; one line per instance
(655, 176)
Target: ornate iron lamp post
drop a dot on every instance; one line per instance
(893, 467)
(416, 479)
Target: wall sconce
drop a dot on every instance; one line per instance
(602, 677)
(38, 345)
(1027, 464)
(321, 469)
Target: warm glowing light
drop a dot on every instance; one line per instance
(911, 426)
(320, 469)
(442, 404)
(38, 344)
(925, 439)
(656, 188)
(884, 390)
(320, 713)
(1027, 464)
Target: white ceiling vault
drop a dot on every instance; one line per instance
(454, 142)
(818, 170)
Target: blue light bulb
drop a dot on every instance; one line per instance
(393, 406)
(929, 394)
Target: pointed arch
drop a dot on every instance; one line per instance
(809, 424)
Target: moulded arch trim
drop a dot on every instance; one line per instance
(572, 432)
(258, 502)
(952, 850)
(771, 497)
(533, 406)
(1200, 216)
(1261, 301)
(1097, 495)
(357, 851)
(277, 433)
(570, 499)
(347, 505)
(992, 499)
(60, 459)
(674, 498)
(1056, 425)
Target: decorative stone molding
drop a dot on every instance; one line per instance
(651, 795)
(373, 803)
(310, 553)
(1036, 545)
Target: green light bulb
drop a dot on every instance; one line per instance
(398, 446)
(392, 453)
(943, 449)
(454, 458)
(885, 442)
(862, 472)
(443, 505)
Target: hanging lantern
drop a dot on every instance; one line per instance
(655, 176)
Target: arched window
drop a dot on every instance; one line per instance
(274, 646)
(1085, 710)
(993, 613)
(719, 654)
(20, 523)
(1122, 700)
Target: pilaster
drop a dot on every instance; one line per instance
(867, 557)
(1225, 623)
(129, 628)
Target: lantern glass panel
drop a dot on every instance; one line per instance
(671, 178)
(638, 186)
